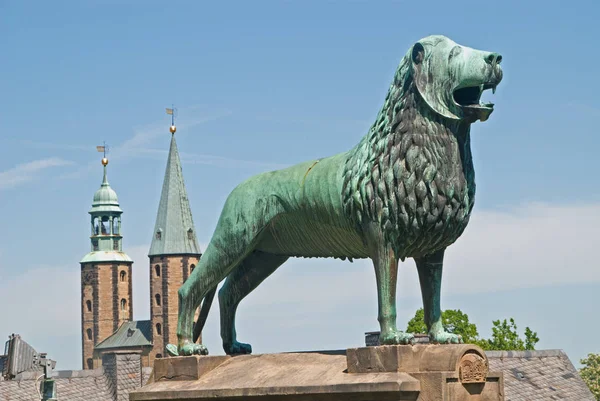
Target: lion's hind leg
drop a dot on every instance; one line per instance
(252, 271)
(212, 268)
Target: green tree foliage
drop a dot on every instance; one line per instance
(506, 338)
(590, 373)
(504, 333)
(454, 321)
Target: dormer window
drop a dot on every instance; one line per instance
(190, 233)
(159, 234)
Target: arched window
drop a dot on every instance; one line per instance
(192, 267)
(157, 298)
(90, 363)
(88, 304)
(123, 275)
(159, 234)
(158, 329)
(158, 356)
(96, 226)
(115, 225)
(105, 226)
(123, 304)
(89, 334)
(157, 270)
(190, 234)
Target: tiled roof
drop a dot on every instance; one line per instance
(174, 231)
(539, 375)
(88, 385)
(129, 335)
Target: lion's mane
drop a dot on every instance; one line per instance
(412, 174)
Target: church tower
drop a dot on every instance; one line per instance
(173, 254)
(105, 274)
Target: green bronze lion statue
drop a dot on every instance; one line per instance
(405, 191)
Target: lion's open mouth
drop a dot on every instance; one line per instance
(471, 95)
(469, 99)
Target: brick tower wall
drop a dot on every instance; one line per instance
(173, 270)
(103, 286)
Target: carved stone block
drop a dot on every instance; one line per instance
(185, 367)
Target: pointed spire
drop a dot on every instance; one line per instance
(105, 179)
(174, 231)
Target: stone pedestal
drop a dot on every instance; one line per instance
(445, 372)
(420, 372)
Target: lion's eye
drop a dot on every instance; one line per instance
(454, 52)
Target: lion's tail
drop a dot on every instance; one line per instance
(206, 303)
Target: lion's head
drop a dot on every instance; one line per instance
(451, 78)
(412, 174)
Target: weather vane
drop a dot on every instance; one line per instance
(104, 150)
(172, 112)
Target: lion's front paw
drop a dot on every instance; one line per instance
(187, 349)
(396, 337)
(443, 337)
(172, 350)
(237, 348)
(193, 349)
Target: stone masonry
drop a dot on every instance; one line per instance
(167, 274)
(106, 302)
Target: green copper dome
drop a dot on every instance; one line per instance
(105, 223)
(105, 198)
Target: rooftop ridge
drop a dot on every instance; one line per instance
(527, 354)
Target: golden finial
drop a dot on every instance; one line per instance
(172, 111)
(103, 149)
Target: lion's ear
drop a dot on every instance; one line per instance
(417, 57)
(418, 53)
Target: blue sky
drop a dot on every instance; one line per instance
(262, 85)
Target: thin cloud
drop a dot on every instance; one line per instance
(50, 145)
(26, 172)
(190, 158)
(584, 108)
(207, 159)
(136, 146)
(148, 133)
